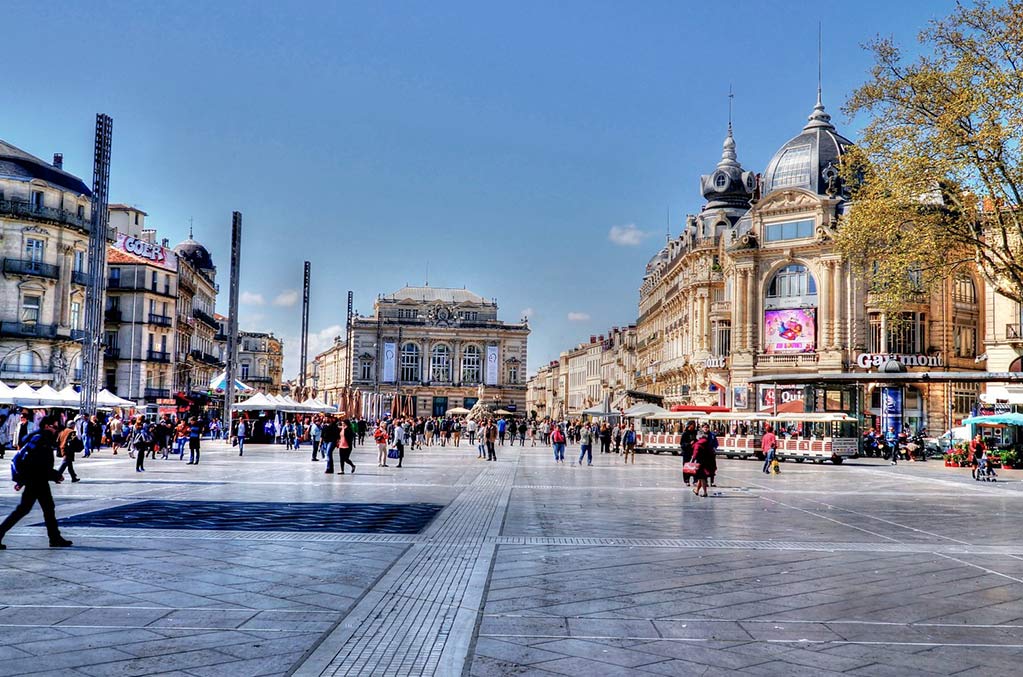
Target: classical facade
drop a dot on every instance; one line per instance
(45, 217)
(260, 361)
(432, 347)
(754, 286)
(199, 354)
(140, 315)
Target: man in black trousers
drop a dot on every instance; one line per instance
(35, 473)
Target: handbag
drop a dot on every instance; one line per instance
(690, 468)
(393, 453)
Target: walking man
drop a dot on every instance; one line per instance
(769, 445)
(315, 434)
(586, 445)
(34, 474)
(629, 441)
(68, 444)
(329, 437)
(398, 436)
(491, 438)
(241, 433)
(558, 438)
(194, 441)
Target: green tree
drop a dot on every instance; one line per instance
(936, 180)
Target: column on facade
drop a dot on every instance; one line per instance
(424, 365)
(751, 308)
(705, 320)
(824, 320)
(838, 291)
(739, 309)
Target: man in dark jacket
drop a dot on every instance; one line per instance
(36, 474)
(329, 436)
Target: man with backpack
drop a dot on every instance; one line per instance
(32, 471)
(69, 444)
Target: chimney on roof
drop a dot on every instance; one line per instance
(593, 339)
(58, 160)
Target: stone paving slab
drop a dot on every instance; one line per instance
(531, 568)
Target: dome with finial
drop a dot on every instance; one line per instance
(809, 161)
(728, 185)
(196, 253)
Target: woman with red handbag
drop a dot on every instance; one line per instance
(703, 456)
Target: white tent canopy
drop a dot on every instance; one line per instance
(257, 402)
(220, 383)
(5, 394)
(24, 395)
(70, 397)
(107, 399)
(644, 410)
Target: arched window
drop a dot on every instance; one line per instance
(792, 281)
(440, 364)
(963, 290)
(471, 365)
(410, 362)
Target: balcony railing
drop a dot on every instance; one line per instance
(112, 353)
(157, 393)
(720, 307)
(160, 320)
(157, 356)
(798, 360)
(1013, 333)
(30, 267)
(28, 329)
(112, 315)
(27, 210)
(22, 372)
(205, 318)
(260, 379)
(78, 277)
(129, 284)
(205, 357)
(77, 334)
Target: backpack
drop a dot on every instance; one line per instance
(19, 465)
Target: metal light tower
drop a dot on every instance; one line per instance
(348, 342)
(305, 327)
(97, 264)
(232, 317)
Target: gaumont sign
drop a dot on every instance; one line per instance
(868, 360)
(716, 362)
(154, 253)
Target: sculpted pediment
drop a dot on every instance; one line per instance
(787, 200)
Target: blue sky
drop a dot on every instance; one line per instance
(499, 144)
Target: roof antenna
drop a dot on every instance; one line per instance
(730, 97)
(819, 59)
(427, 272)
(190, 227)
(667, 224)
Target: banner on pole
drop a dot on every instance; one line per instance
(389, 361)
(492, 365)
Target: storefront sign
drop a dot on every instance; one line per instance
(791, 330)
(389, 360)
(152, 253)
(493, 365)
(716, 362)
(868, 360)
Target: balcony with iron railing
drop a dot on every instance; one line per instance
(28, 329)
(253, 378)
(79, 277)
(111, 353)
(25, 372)
(30, 267)
(157, 356)
(1013, 333)
(129, 284)
(27, 210)
(112, 315)
(205, 318)
(205, 357)
(157, 393)
(160, 320)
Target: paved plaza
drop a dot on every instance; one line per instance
(528, 568)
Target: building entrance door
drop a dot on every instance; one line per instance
(440, 406)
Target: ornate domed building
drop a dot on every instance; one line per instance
(199, 359)
(753, 286)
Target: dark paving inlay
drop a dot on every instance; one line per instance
(363, 518)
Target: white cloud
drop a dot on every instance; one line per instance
(318, 342)
(578, 317)
(627, 236)
(250, 299)
(286, 298)
(527, 312)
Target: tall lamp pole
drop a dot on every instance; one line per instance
(232, 318)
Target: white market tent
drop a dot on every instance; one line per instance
(106, 400)
(257, 402)
(24, 395)
(220, 382)
(70, 397)
(5, 394)
(644, 410)
(320, 406)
